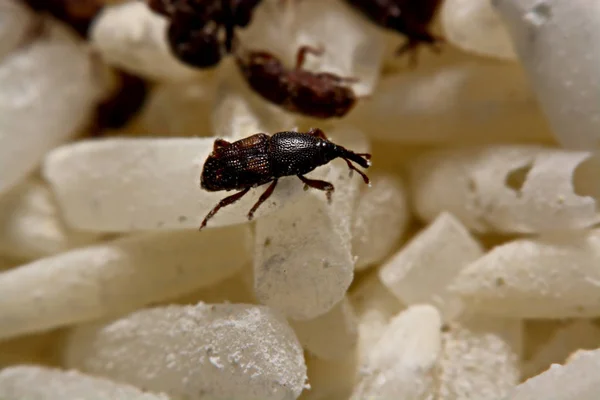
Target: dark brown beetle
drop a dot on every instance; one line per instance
(195, 42)
(260, 159)
(318, 95)
(408, 17)
(195, 26)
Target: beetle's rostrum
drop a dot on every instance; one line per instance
(260, 159)
(318, 95)
(408, 17)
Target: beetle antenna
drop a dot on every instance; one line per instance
(362, 159)
(353, 168)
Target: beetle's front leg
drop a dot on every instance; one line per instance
(317, 184)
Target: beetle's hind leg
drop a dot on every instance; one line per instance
(263, 197)
(317, 184)
(223, 203)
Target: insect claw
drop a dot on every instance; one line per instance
(202, 226)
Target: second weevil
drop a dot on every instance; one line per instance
(314, 94)
(260, 159)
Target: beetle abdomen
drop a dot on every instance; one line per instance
(238, 165)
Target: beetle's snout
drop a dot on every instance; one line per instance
(362, 159)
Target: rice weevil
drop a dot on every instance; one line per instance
(318, 95)
(260, 159)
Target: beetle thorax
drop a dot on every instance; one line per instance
(293, 153)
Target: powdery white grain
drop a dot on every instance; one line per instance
(549, 277)
(422, 270)
(509, 188)
(223, 351)
(31, 382)
(480, 358)
(381, 217)
(555, 41)
(92, 282)
(401, 364)
(474, 26)
(374, 306)
(123, 185)
(578, 379)
(580, 354)
(330, 336)
(48, 92)
(132, 37)
(30, 224)
(303, 261)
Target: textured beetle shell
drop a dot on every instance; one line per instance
(293, 153)
(238, 165)
(263, 73)
(319, 95)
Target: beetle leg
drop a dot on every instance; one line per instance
(223, 203)
(263, 197)
(318, 133)
(353, 168)
(303, 51)
(317, 184)
(339, 79)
